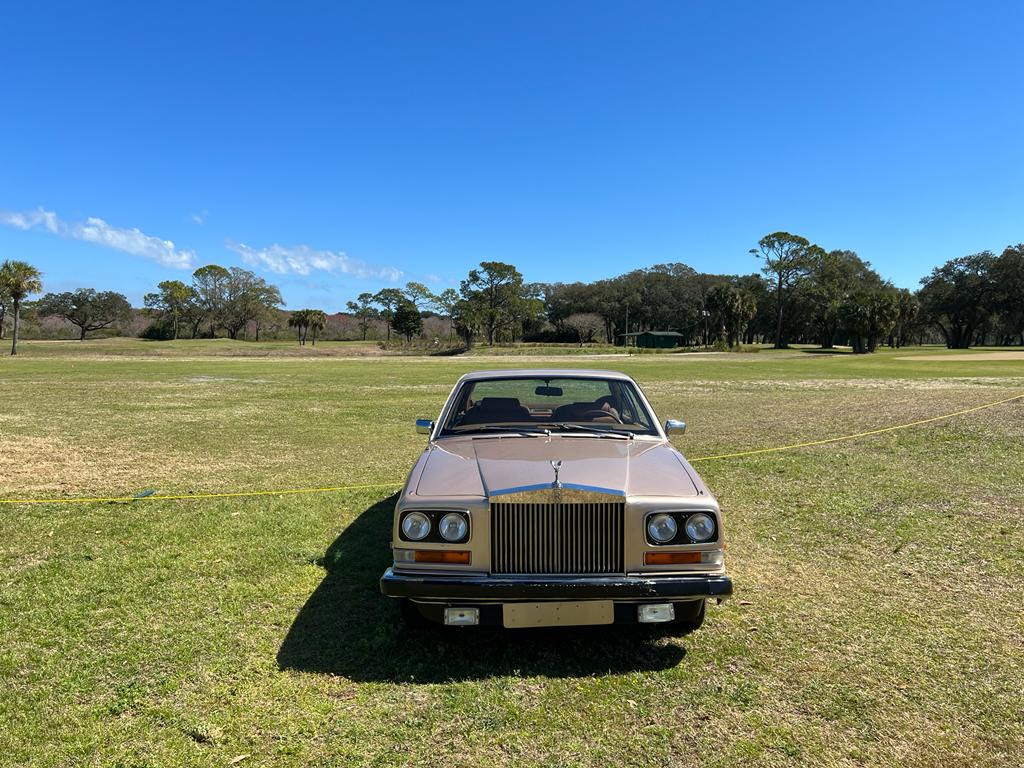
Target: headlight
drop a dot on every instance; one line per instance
(662, 528)
(700, 527)
(416, 526)
(453, 527)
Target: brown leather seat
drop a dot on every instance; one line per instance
(496, 410)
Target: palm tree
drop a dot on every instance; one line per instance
(299, 319)
(18, 279)
(317, 321)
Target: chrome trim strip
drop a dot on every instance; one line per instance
(549, 487)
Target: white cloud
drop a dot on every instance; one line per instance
(199, 218)
(301, 260)
(96, 230)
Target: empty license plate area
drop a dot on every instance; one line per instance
(558, 614)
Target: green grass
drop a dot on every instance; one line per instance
(878, 582)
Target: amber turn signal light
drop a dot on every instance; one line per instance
(456, 557)
(671, 558)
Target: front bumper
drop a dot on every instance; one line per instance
(446, 588)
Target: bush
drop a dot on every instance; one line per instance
(158, 330)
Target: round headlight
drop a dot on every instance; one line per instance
(662, 528)
(700, 527)
(453, 527)
(416, 526)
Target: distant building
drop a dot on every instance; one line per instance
(652, 339)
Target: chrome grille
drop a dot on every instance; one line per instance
(576, 537)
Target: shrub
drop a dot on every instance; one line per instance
(158, 330)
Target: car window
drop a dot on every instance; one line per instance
(538, 402)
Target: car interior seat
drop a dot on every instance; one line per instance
(496, 409)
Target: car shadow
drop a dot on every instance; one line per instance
(348, 628)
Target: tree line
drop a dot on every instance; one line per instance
(802, 293)
(805, 294)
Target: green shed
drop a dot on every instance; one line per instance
(652, 339)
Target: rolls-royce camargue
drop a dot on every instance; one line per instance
(554, 497)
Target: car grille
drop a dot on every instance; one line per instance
(577, 537)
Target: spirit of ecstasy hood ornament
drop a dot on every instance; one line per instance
(556, 465)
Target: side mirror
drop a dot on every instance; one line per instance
(424, 426)
(675, 427)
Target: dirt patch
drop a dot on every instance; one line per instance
(965, 357)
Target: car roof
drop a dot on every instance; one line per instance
(544, 373)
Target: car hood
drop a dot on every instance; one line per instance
(493, 466)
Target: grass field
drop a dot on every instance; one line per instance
(879, 582)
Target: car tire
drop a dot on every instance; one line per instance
(689, 616)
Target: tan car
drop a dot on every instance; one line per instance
(554, 497)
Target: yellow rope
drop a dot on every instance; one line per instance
(858, 434)
(179, 496)
(338, 488)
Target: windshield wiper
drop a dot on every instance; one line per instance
(594, 430)
(501, 428)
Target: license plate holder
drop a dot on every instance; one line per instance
(558, 614)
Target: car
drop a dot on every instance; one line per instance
(554, 497)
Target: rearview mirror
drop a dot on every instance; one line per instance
(675, 427)
(424, 426)
(548, 391)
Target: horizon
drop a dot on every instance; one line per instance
(340, 150)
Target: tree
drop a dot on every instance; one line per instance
(211, 287)
(389, 299)
(270, 318)
(316, 321)
(787, 258)
(732, 308)
(245, 296)
(527, 314)
(446, 301)
(193, 316)
(1008, 277)
(585, 325)
(299, 319)
(86, 308)
(499, 289)
(908, 308)
(5, 304)
(362, 309)
(419, 295)
(18, 279)
(869, 315)
(831, 278)
(957, 297)
(407, 320)
(173, 300)
(468, 317)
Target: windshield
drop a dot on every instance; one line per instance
(564, 403)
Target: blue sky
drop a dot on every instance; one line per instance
(340, 147)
